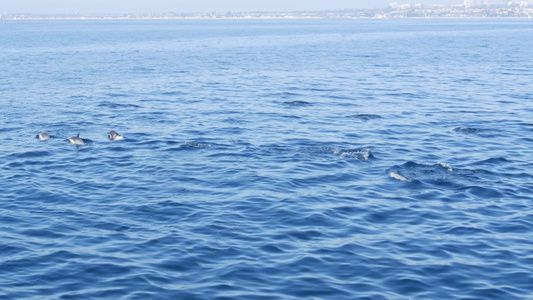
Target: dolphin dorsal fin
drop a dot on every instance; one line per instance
(78, 135)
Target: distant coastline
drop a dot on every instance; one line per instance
(392, 12)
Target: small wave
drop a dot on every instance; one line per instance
(272, 149)
(465, 230)
(173, 93)
(117, 105)
(197, 145)
(5, 129)
(79, 97)
(288, 94)
(365, 117)
(442, 174)
(297, 103)
(398, 176)
(29, 154)
(116, 95)
(466, 130)
(190, 145)
(361, 154)
(484, 132)
(493, 161)
(411, 171)
(443, 165)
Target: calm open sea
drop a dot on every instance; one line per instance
(267, 159)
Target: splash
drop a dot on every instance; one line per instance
(398, 176)
(426, 172)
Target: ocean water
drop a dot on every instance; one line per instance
(267, 159)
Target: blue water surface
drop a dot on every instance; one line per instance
(267, 159)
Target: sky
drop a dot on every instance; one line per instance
(187, 6)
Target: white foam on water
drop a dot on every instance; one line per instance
(398, 176)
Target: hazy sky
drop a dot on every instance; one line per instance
(134, 6)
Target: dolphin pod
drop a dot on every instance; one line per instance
(76, 140)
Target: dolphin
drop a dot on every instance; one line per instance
(114, 136)
(76, 140)
(44, 136)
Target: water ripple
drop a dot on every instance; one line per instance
(303, 159)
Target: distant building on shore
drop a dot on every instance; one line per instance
(497, 2)
(470, 9)
(478, 2)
